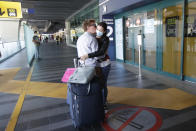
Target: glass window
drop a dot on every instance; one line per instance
(172, 37)
(190, 41)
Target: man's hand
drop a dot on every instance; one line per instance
(84, 57)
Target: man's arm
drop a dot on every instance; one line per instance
(35, 39)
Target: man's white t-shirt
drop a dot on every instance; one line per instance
(86, 44)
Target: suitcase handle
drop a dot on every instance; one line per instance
(77, 62)
(88, 91)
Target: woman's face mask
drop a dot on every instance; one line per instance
(99, 33)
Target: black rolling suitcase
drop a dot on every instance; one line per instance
(86, 104)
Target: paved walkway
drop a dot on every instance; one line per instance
(33, 98)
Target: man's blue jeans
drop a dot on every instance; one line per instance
(36, 52)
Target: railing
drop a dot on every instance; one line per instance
(8, 49)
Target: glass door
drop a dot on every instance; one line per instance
(150, 39)
(138, 29)
(145, 24)
(129, 35)
(134, 26)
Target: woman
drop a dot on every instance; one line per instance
(103, 58)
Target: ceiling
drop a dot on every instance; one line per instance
(49, 15)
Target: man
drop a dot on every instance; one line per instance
(64, 39)
(57, 40)
(46, 39)
(36, 42)
(87, 42)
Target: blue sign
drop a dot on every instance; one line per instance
(110, 26)
(31, 11)
(109, 20)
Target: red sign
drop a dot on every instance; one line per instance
(137, 111)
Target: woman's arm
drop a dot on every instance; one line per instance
(102, 49)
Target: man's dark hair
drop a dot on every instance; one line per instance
(104, 25)
(35, 32)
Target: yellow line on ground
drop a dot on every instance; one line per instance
(171, 98)
(13, 120)
(46, 89)
(15, 114)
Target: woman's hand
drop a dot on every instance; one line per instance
(84, 57)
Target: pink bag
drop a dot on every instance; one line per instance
(67, 74)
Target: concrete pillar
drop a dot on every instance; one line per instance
(67, 31)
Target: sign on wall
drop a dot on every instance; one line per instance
(110, 26)
(109, 20)
(149, 26)
(10, 9)
(171, 26)
(119, 38)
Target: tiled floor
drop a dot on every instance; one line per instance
(7, 104)
(146, 103)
